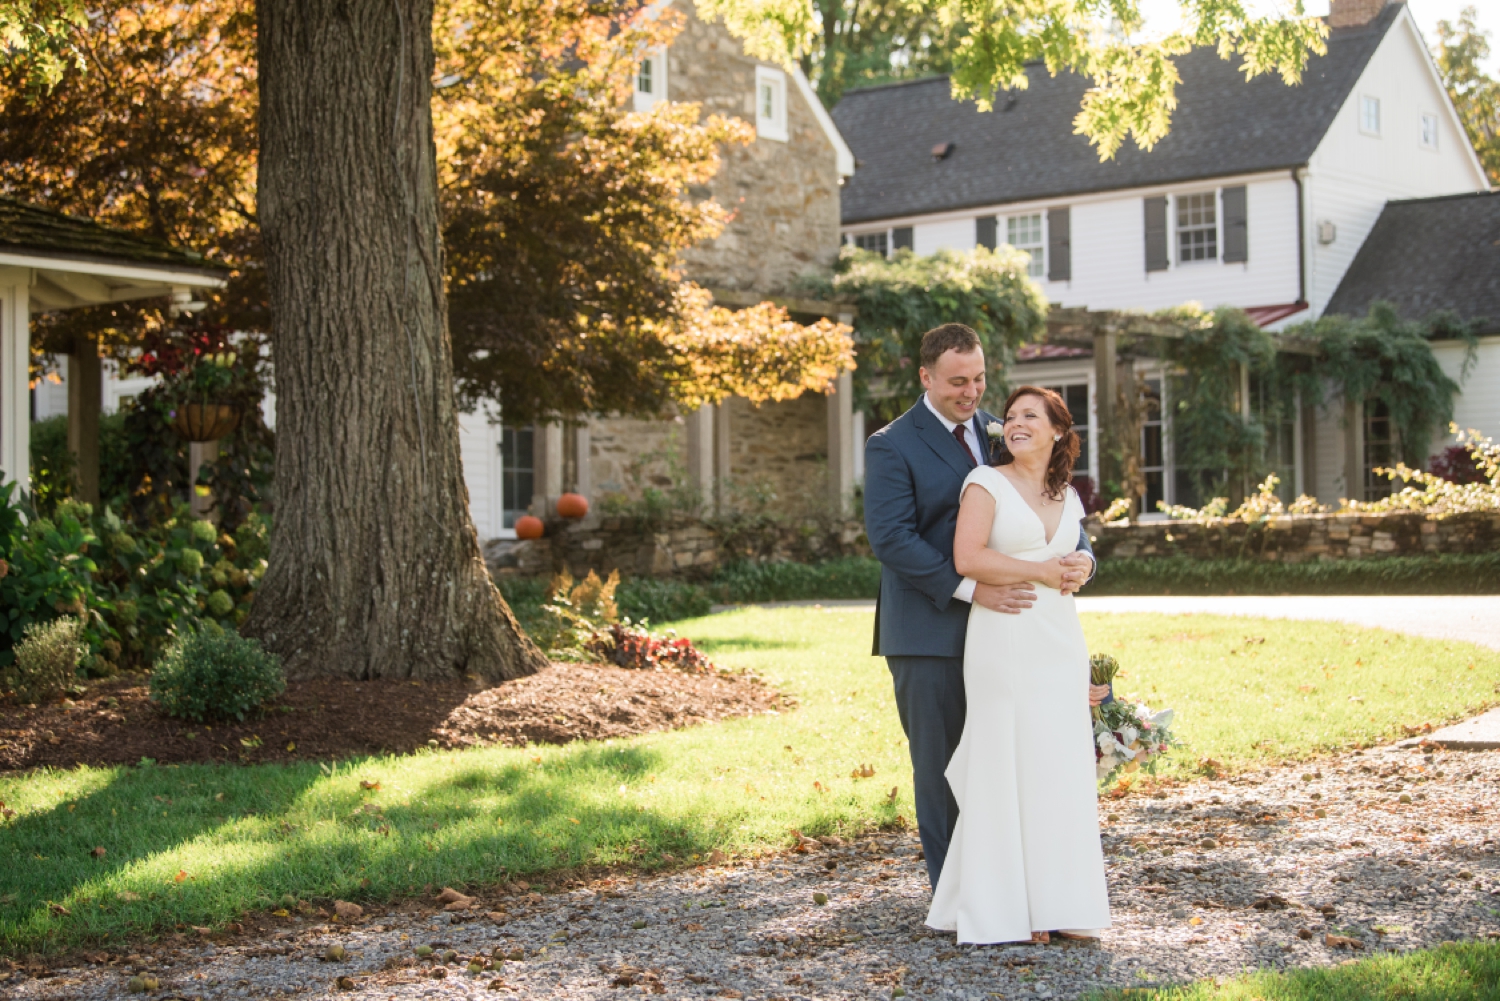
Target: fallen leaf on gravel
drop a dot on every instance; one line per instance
(449, 895)
(346, 911)
(203, 930)
(497, 985)
(59, 909)
(181, 875)
(715, 857)
(820, 898)
(1271, 902)
(344, 983)
(1342, 942)
(693, 926)
(97, 852)
(1197, 940)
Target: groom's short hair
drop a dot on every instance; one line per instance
(948, 337)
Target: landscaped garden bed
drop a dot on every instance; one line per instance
(115, 722)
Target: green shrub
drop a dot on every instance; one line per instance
(209, 672)
(1475, 573)
(851, 577)
(46, 659)
(45, 571)
(657, 601)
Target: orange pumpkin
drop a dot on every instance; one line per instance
(529, 527)
(572, 506)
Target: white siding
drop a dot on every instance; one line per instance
(1478, 406)
(1352, 174)
(953, 234)
(479, 445)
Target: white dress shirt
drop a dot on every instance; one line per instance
(965, 589)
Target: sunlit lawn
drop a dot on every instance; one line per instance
(1455, 971)
(241, 837)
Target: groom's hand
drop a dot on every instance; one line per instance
(1012, 599)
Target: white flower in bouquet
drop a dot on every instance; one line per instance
(1127, 736)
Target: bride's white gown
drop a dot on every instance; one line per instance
(1026, 854)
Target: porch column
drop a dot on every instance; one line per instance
(841, 444)
(1106, 391)
(723, 460)
(1354, 440)
(547, 466)
(85, 401)
(15, 384)
(700, 452)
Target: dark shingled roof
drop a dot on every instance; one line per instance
(31, 229)
(1025, 148)
(1427, 254)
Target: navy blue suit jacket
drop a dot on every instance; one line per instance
(914, 469)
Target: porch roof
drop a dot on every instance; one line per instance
(78, 262)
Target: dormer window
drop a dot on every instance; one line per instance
(770, 103)
(1369, 115)
(651, 80)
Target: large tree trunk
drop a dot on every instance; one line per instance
(375, 568)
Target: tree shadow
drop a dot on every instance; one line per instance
(735, 644)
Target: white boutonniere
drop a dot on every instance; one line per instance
(995, 430)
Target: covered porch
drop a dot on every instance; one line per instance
(51, 261)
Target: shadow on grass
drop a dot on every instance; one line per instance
(736, 644)
(317, 834)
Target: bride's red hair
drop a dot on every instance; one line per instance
(1064, 451)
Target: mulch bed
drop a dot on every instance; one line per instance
(116, 723)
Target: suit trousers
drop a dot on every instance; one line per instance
(930, 700)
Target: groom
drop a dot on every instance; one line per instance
(914, 470)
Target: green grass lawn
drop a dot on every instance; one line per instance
(199, 844)
(1455, 971)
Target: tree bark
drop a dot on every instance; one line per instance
(375, 568)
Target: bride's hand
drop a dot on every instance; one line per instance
(1050, 573)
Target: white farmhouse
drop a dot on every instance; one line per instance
(1260, 197)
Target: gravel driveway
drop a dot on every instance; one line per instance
(1212, 878)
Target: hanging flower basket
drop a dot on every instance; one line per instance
(206, 421)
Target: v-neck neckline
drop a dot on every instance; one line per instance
(1027, 504)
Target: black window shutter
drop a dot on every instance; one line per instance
(1059, 245)
(1156, 234)
(1236, 226)
(984, 231)
(901, 237)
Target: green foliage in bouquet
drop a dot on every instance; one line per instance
(1126, 737)
(210, 673)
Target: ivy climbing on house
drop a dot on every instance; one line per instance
(901, 298)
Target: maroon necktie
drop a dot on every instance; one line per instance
(958, 432)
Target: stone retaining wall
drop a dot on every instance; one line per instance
(686, 548)
(1298, 538)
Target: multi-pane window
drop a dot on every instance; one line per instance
(1279, 418)
(1197, 227)
(1429, 131)
(517, 472)
(878, 242)
(1380, 449)
(651, 80)
(643, 77)
(770, 103)
(1369, 114)
(1153, 450)
(1024, 232)
(1076, 396)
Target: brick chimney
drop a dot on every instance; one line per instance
(1348, 13)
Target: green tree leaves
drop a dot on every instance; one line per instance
(1461, 51)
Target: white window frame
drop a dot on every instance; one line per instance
(1214, 195)
(1038, 266)
(771, 126)
(1428, 137)
(645, 100)
(1366, 102)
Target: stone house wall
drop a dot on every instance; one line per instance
(1300, 538)
(778, 455)
(784, 195)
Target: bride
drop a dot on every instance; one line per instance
(1025, 859)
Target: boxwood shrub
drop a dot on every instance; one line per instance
(210, 673)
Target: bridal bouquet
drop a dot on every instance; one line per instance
(1126, 737)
